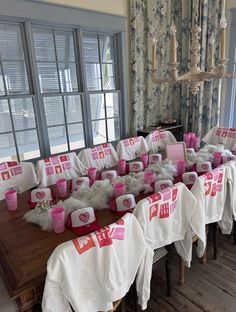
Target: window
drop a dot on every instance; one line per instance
(102, 87)
(18, 130)
(56, 64)
(55, 95)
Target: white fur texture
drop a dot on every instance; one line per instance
(98, 196)
(165, 170)
(44, 219)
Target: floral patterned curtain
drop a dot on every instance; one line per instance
(153, 103)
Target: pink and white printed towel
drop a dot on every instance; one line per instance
(125, 255)
(18, 175)
(157, 140)
(225, 136)
(50, 169)
(168, 216)
(100, 156)
(132, 148)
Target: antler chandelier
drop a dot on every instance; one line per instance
(195, 77)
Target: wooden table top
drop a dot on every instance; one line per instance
(25, 248)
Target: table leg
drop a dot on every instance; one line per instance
(181, 271)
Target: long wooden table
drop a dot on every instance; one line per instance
(25, 249)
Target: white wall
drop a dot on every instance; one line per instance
(116, 7)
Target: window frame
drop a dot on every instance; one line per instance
(34, 84)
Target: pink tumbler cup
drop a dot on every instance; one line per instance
(61, 188)
(149, 177)
(187, 139)
(92, 174)
(144, 159)
(58, 219)
(11, 199)
(119, 189)
(180, 167)
(217, 158)
(122, 166)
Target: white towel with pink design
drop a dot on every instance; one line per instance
(101, 156)
(18, 175)
(67, 166)
(131, 148)
(157, 140)
(225, 136)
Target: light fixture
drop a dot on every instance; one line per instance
(195, 77)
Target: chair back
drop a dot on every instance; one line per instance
(67, 166)
(100, 156)
(18, 175)
(166, 217)
(157, 140)
(75, 273)
(132, 148)
(218, 135)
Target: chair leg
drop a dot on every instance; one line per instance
(215, 239)
(234, 232)
(181, 271)
(168, 276)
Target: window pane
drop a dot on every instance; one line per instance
(64, 46)
(112, 104)
(16, 77)
(11, 42)
(113, 126)
(44, 44)
(7, 147)
(5, 120)
(68, 77)
(108, 76)
(76, 136)
(57, 139)
(97, 106)
(54, 110)
(90, 44)
(99, 131)
(48, 77)
(106, 49)
(23, 113)
(28, 146)
(73, 108)
(93, 76)
(2, 89)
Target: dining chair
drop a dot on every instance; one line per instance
(94, 271)
(166, 217)
(67, 166)
(132, 148)
(157, 140)
(219, 135)
(18, 175)
(100, 156)
(210, 190)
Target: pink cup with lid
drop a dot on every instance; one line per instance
(92, 174)
(149, 177)
(121, 166)
(119, 189)
(11, 199)
(58, 219)
(144, 159)
(61, 188)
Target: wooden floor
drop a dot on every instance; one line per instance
(210, 287)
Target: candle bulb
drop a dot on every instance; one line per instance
(223, 25)
(154, 49)
(173, 44)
